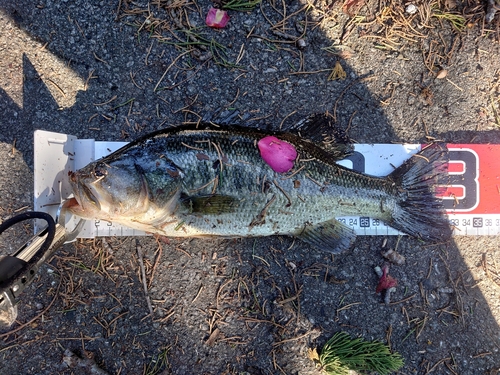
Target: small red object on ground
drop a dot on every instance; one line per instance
(217, 18)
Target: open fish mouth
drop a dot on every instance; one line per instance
(83, 193)
(90, 197)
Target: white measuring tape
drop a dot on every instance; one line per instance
(472, 201)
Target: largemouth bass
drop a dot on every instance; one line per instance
(218, 181)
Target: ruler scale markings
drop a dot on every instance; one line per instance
(473, 200)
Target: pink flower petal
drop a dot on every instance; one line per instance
(386, 281)
(278, 154)
(217, 18)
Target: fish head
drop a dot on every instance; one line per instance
(119, 190)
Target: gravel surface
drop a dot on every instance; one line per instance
(115, 70)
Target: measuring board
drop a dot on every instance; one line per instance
(472, 201)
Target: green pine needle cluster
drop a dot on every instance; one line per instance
(342, 353)
(158, 363)
(240, 5)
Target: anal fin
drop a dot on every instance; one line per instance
(331, 236)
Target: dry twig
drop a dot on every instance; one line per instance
(143, 276)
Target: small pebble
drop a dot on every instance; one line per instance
(378, 271)
(446, 290)
(387, 297)
(411, 9)
(301, 44)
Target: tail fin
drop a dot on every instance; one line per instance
(419, 212)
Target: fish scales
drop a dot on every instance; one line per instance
(215, 182)
(244, 171)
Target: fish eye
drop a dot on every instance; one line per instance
(100, 172)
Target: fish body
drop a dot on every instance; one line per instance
(214, 181)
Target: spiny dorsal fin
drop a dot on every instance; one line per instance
(318, 128)
(233, 117)
(321, 130)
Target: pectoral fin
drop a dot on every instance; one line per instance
(331, 236)
(210, 204)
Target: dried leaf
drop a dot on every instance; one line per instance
(442, 74)
(201, 156)
(312, 354)
(352, 7)
(337, 73)
(393, 256)
(213, 336)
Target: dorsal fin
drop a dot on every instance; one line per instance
(233, 117)
(317, 134)
(320, 126)
(321, 129)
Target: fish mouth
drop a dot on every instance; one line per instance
(83, 193)
(87, 194)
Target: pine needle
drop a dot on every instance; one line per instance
(241, 5)
(342, 353)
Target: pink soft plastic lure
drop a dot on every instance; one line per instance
(278, 154)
